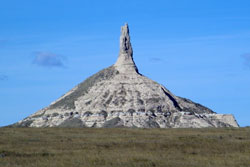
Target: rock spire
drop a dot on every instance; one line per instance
(125, 62)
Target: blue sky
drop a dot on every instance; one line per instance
(197, 49)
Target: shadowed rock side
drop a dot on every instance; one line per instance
(119, 96)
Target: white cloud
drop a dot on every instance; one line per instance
(246, 58)
(3, 77)
(46, 59)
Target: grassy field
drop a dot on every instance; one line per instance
(65, 147)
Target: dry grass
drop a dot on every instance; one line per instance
(69, 147)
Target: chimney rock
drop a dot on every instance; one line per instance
(125, 62)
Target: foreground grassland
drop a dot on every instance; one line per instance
(65, 147)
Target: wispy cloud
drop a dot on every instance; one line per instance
(156, 59)
(246, 58)
(3, 77)
(46, 59)
(2, 42)
(219, 37)
(215, 37)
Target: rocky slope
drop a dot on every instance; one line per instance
(119, 96)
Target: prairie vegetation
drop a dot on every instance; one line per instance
(92, 147)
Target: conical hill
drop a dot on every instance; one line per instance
(119, 96)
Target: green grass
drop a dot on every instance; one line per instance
(90, 147)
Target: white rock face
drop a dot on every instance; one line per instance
(119, 96)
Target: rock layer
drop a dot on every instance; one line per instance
(119, 96)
